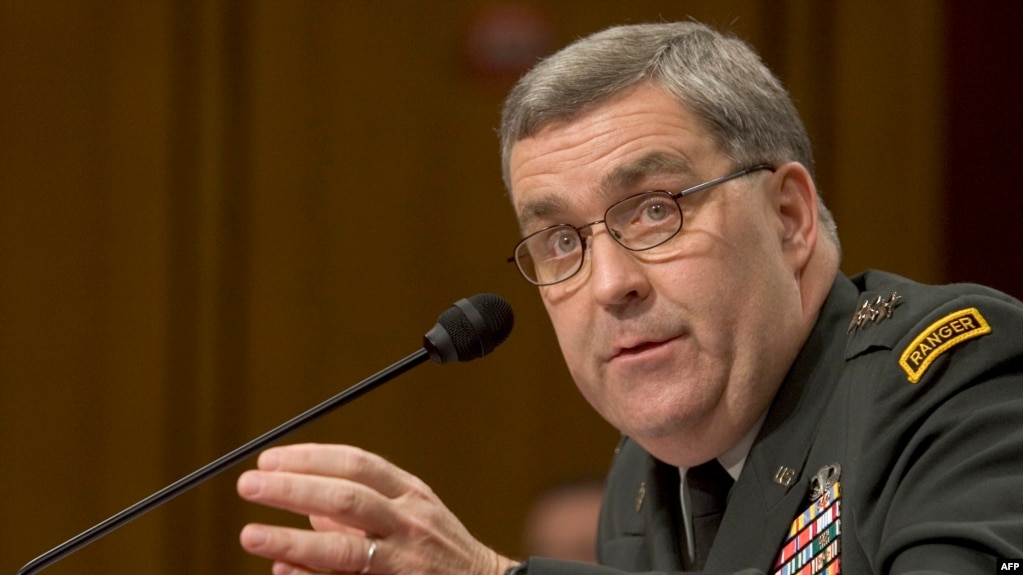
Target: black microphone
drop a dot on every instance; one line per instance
(469, 329)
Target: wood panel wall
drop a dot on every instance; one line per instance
(983, 199)
(217, 213)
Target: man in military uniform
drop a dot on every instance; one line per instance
(777, 416)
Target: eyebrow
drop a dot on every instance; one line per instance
(540, 209)
(652, 164)
(622, 177)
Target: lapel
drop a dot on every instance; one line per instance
(773, 486)
(641, 519)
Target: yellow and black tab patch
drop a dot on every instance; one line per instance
(939, 337)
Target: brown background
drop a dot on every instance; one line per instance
(217, 213)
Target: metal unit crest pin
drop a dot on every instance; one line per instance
(640, 496)
(874, 311)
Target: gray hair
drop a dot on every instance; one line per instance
(717, 77)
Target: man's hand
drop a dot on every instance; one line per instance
(367, 516)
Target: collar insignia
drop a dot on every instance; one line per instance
(785, 476)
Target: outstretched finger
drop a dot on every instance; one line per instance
(345, 502)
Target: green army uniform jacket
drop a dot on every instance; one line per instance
(906, 401)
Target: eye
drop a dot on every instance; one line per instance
(554, 243)
(654, 209)
(562, 241)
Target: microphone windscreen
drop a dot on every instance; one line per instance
(470, 328)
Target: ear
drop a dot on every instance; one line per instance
(795, 205)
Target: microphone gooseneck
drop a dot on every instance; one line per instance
(469, 329)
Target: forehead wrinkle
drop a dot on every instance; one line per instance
(654, 163)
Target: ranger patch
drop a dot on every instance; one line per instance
(939, 337)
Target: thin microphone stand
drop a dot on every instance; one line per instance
(196, 477)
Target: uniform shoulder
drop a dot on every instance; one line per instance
(923, 321)
(900, 304)
(880, 282)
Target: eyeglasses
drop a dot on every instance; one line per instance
(637, 223)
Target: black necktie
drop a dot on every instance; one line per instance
(708, 493)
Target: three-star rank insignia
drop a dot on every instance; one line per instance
(813, 546)
(874, 311)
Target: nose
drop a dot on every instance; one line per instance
(616, 275)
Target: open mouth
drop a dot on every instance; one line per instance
(638, 349)
(641, 348)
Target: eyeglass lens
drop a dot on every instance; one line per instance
(637, 223)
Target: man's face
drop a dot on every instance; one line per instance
(681, 347)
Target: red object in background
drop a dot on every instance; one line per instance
(505, 40)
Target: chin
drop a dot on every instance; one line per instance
(662, 422)
(647, 426)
